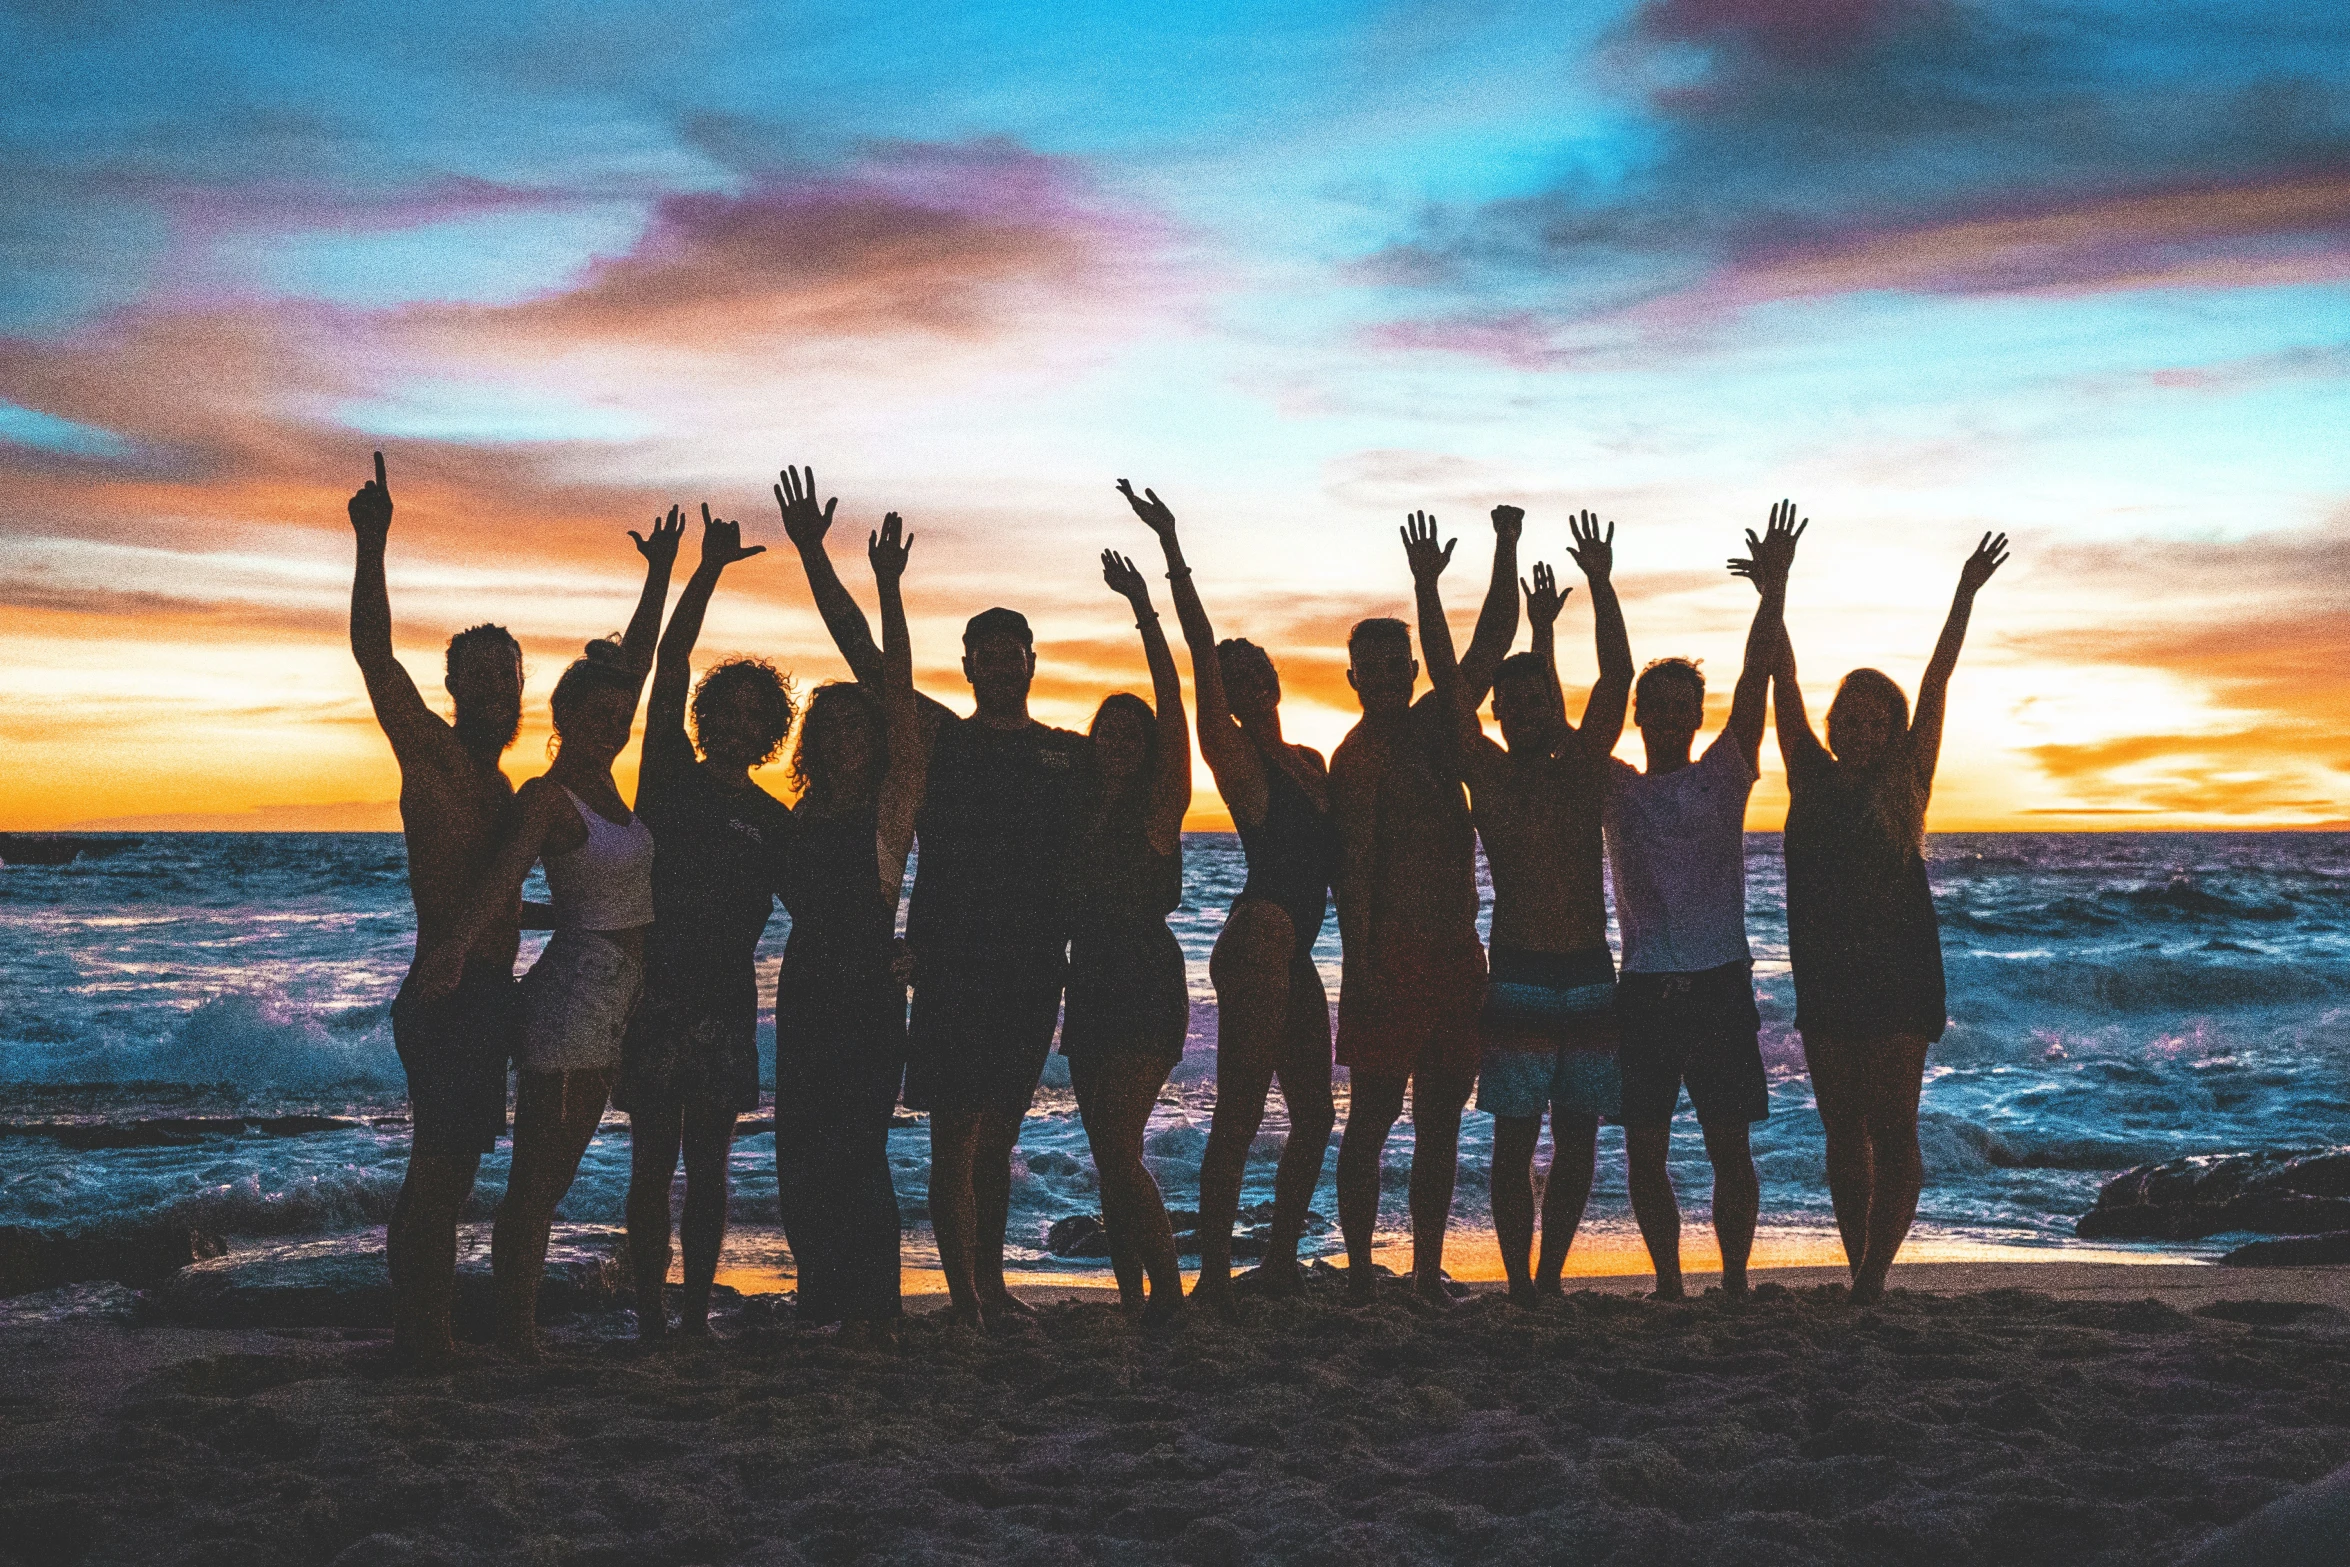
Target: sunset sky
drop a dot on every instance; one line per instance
(2076, 271)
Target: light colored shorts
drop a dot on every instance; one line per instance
(1517, 1084)
(576, 1002)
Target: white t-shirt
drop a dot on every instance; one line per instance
(1676, 846)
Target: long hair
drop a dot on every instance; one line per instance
(1140, 711)
(1894, 799)
(771, 685)
(828, 704)
(603, 667)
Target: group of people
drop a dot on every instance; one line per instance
(1049, 863)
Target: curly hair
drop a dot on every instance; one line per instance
(828, 704)
(1683, 668)
(772, 687)
(483, 635)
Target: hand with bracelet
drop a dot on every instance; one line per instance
(1127, 582)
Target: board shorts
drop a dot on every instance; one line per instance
(455, 1052)
(1426, 1022)
(576, 1002)
(691, 1045)
(1699, 1029)
(1548, 1035)
(981, 1028)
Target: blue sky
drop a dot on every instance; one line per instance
(2077, 271)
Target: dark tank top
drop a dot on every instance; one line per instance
(1862, 940)
(1115, 877)
(1292, 855)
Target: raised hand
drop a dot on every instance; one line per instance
(888, 548)
(1509, 521)
(1593, 551)
(1153, 511)
(1420, 548)
(1543, 598)
(371, 508)
(1118, 571)
(1769, 558)
(661, 546)
(804, 523)
(722, 542)
(1989, 556)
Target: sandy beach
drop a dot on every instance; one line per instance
(1989, 1412)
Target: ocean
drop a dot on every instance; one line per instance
(2115, 998)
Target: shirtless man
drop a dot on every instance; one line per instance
(1676, 845)
(454, 803)
(1547, 1028)
(1413, 970)
(985, 921)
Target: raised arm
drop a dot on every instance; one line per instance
(805, 523)
(540, 806)
(1766, 565)
(1603, 713)
(1799, 747)
(1233, 762)
(909, 754)
(666, 748)
(1925, 728)
(644, 627)
(399, 708)
(1497, 620)
(1171, 788)
(1427, 560)
(1543, 603)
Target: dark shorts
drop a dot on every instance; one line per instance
(1419, 1017)
(455, 1052)
(1699, 1029)
(691, 1046)
(981, 1029)
(1128, 991)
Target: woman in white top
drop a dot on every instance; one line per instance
(578, 996)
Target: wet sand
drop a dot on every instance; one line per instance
(2068, 1412)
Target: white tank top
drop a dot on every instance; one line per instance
(607, 882)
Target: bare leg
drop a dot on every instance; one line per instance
(420, 1249)
(1837, 1089)
(1304, 1074)
(653, 1136)
(1514, 1137)
(998, 1133)
(1436, 1147)
(1115, 1097)
(1897, 1068)
(1659, 1216)
(1574, 1160)
(954, 1139)
(555, 1116)
(1737, 1200)
(1374, 1104)
(1250, 967)
(708, 1136)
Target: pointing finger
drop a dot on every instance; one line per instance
(380, 482)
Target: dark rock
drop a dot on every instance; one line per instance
(51, 848)
(2272, 1193)
(2294, 1251)
(341, 1282)
(32, 1259)
(1079, 1235)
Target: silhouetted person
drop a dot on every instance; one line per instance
(986, 921)
(454, 802)
(1407, 919)
(1129, 1002)
(1861, 934)
(689, 1064)
(1547, 1030)
(1676, 840)
(840, 1000)
(1272, 1014)
(578, 996)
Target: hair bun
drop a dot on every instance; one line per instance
(607, 654)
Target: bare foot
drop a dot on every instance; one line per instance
(959, 1316)
(1217, 1297)
(1430, 1288)
(1523, 1293)
(1668, 1292)
(693, 1327)
(1276, 1278)
(1361, 1286)
(1005, 1311)
(1165, 1310)
(1550, 1289)
(1866, 1294)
